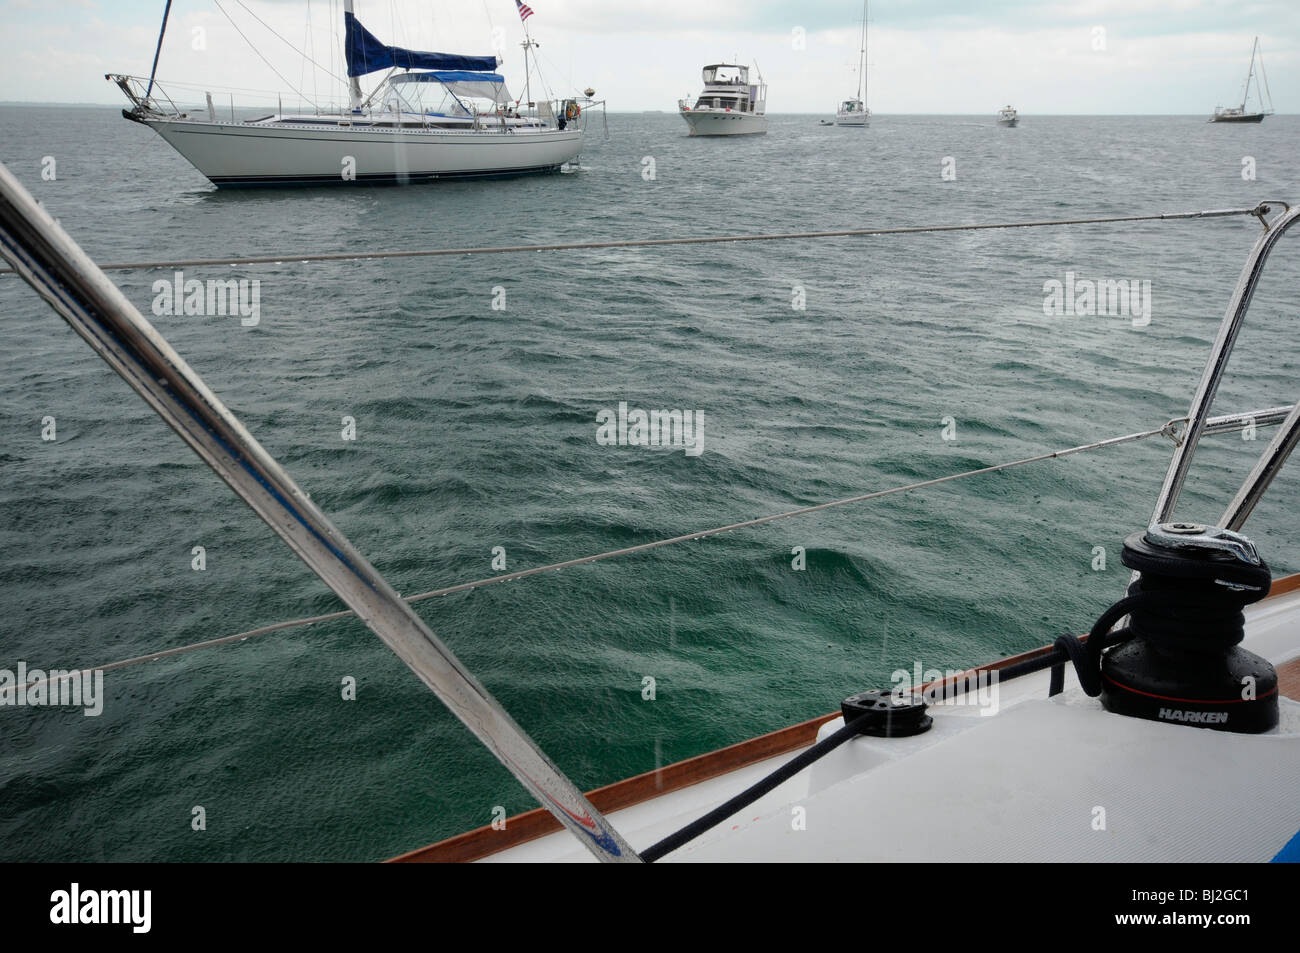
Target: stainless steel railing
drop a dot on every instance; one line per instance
(1275, 454)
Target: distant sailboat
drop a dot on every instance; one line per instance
(434, 116)
(1239, 113)
(1008, 117)
(854, 112)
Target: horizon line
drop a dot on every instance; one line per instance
(633, 112)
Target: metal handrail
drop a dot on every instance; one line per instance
(1283, 442)
(142, 99)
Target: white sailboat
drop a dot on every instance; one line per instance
(729, 105)
(434, 116)
(1239, 113)
(1007, 116)
(854, 112)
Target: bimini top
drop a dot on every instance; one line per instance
(462, 83)
(366, 54)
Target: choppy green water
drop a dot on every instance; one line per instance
(476, 429)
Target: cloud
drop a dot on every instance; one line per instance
(944, 56)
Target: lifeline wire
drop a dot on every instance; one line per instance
(627, 551)
(1258, 211)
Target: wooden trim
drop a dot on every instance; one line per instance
(1288, 679)
(613, 797)
(476, 844)
(1284, 585)
(1288, 674)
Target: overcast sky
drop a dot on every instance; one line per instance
(926, 56)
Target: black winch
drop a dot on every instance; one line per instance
(1179, 660)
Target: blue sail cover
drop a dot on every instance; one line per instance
(366, 54)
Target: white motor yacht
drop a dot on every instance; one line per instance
(729, 105)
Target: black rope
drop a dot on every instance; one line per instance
(752, 793)
(1163, 612)
(1087, 657)
(1160, 611)
(1065, 650)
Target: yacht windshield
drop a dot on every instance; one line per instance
(726, 75)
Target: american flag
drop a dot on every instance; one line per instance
(525, 11)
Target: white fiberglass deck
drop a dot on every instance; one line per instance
(1042, 780)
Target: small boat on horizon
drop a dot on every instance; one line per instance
(854, 112)
(1239, 113)
(1008, 117)
(729, 105)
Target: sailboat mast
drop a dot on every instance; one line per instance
(1249, 73)
(866, 85)
(528, 42)
(862, 65)
(354, 82)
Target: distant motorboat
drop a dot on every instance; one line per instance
(854, 112)
(729, 104)
(1008, 117)
(1240, 113)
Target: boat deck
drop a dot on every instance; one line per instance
(1045, 779)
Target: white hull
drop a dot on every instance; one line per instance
(1009, 123)
(711, 122)
(851, 119)
(247, 154)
